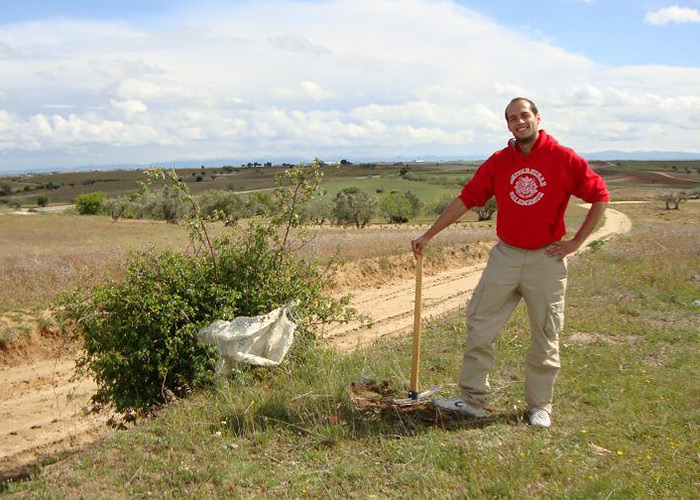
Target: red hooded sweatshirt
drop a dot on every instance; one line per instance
(533, 190)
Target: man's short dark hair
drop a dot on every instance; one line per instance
(533, 106)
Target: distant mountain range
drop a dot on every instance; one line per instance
(642, 155)
(609, 155)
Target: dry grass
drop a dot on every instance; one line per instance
(45, 255)
(387, 240)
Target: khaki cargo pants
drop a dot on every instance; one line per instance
(511, 274)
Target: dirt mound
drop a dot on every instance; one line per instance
(375, 272)
(25, 337)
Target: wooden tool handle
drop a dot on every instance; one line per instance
(416, 323)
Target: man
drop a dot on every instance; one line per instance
(532, 180)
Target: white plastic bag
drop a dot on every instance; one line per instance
(259, 340)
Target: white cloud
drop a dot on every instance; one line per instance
(337, 77)
(130, 107)
(673, 14)
(305, 90)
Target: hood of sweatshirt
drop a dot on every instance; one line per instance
(545, 142)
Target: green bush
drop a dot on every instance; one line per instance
(123, 206)
(166, 204)
(353, 206)
(440, 205)
(42, 201)
(139, 334)
(90, 203)
(260, 203)
(486, 211)
(317, 210)
(399, 207)
(215, 203)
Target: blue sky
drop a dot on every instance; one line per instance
(607, 31)
(95, 83)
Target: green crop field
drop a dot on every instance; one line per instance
(426, 192)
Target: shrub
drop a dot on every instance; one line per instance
(164, 204)
(399, 207)
(440, 205)
(6, 338)
(217, 203)
(317, 210)
(139, 334)
(354, 207)
(42, 201)
(486, 211)
(90, 203)
(118, 207)
(260, 203)
(674, 199)
(412, 176)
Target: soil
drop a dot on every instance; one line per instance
(42, 403)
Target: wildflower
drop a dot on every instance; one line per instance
(620, 452)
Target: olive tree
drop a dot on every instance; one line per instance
(399, 207)
(352, 206)
(486, 211)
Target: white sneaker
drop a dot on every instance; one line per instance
(540, 418)
(457, 405)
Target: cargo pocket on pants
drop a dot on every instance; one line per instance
(555, 320)
(473, 305)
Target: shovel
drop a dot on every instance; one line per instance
(414, 397)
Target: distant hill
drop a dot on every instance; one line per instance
(610, 155)
(642, 155)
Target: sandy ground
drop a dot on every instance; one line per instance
(42, 404)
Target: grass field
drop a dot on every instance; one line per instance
(64, 187)
(626, 421)
(426, 192)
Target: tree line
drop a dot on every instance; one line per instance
(351, 206)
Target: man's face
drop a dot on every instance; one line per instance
(522, 122)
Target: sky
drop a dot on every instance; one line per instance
(131, 82)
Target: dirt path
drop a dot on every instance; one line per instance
(41, 412)
(41, 406)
